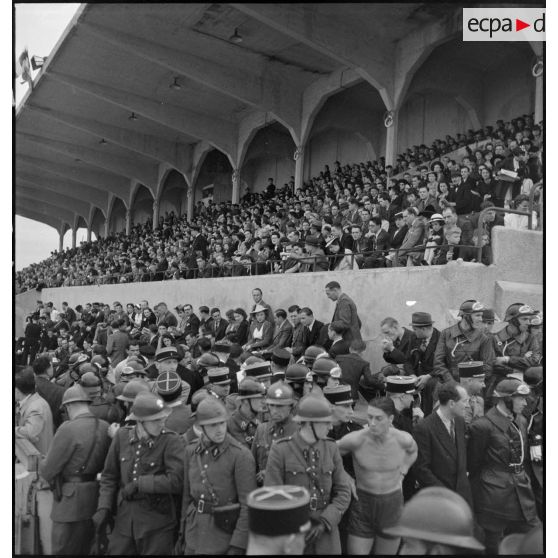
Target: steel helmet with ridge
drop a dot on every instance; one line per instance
(210, 411)
(312, 353)
(148, 406)
(313, 408)
(75, 394)
(296, 373)
(324, 366)
(439, 515)
(132, 389)
(279, 393)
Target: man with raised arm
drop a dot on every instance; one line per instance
(382, 456)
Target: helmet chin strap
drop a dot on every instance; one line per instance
(314, 432)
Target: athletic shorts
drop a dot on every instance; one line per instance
(372, 513)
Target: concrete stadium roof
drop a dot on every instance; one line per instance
(76, 146)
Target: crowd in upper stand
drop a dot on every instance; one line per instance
(422, 211)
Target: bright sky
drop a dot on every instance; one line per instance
(38, 27)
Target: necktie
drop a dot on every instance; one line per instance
(452, 430)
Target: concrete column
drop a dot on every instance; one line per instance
(299, 166)
(539, 99)
(236, 186)
(190, 204)
(60, 240)
(74, 235)
(128, 221)
(391, 141)
(88, 233)
(106, 228)
(155, 214)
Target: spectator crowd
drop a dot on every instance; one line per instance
(424, 210)
(156, 426)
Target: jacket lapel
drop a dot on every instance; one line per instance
(443, 435)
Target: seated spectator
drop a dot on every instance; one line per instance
(520, 222)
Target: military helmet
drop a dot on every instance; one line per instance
(518, 310)
(511, 387)
(75, 394)
(440, 515)
(250, 389)
(90, 380)
(100, 361)
(133, 367)
(148, 406)
(76, 359)
(470, 307)
(313, 408)
(325, 366)
(279, 393)
(524, 544)
(132, 389)
(533, 376)
(210, 411)
(87, 368)
(312, 353)
(296, 373)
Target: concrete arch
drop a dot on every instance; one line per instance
(97, 222)
(319, 92)
(173, 193)
(348, 127)
(117, 216)
(268, 155)
(214, 168)
(141, 206)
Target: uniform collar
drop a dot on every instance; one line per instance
(214, 449)
(498, 419)
(456, 330)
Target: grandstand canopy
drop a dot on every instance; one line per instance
(133, 91)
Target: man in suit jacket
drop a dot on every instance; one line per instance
(33, 415)
(219, 324)
(283, 334)
(199, 243)
(378, 240)
(345, 311)
(314, 331)
(442, 449)
(338, 346)
(414, 236)
(397, 345)
(355, 371)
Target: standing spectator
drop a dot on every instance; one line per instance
(345, 311)
(498, 457)
(33, 415)
(118, 342)
(33, 333)
(440, 437)
(50, 391)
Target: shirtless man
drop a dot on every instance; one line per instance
(382, 455)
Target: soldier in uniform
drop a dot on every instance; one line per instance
(280, 402)
(310, 459)
(471, 377)
(131, 390)
(280, 359)
(243, 422)
(219, 473)
(169, 388)
(535, 428)
(143, 471)
(462, 342)
(218, 382)
(100, 406)
(278, 518)
(436, 522)
(341, 404)
(402, 390)
(515, 347)
(295, 377)
(497, 456)
(193, 432)
(75, 457)
(311, 354)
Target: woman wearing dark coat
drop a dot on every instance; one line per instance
(237, 331)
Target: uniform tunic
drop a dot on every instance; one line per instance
(319, 469)
(242, 429)
(230, 470)
(267, 434)
(501, 494)
(146, 522)
(72, 531)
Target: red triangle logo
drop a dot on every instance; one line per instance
(519, 25)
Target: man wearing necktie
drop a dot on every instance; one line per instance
(219, 325)
(442, 455)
